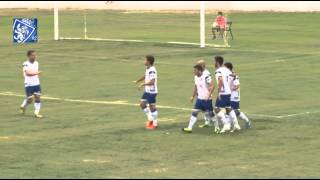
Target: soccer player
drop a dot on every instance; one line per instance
(235, 96)
(224, 94)
(150, 93)
(207, 118)
(32, 83)
(203, 89)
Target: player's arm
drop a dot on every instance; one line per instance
(236, 83)
(149, 83)
(194, 93)
(220, 85)
(211, 89)
(236, 87)
(29, 73)
(210, 86)
(140, 79)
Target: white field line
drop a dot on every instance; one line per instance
(298, 114)
(142, 41)
(125, 103)
(4, 138)
(264, 115)
(96, 161)
(93, 102)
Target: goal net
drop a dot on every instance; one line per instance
(192, 27)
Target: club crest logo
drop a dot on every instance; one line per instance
(25, 30)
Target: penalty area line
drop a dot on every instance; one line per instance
(125, 103)
(93, 102)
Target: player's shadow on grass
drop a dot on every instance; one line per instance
(24, 116)
(175, 128)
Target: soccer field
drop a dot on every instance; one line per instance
(93, 127)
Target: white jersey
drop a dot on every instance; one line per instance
(206, 72)
(151, 74)
(225, 74)
(203, 85)
(32, 67)
(235, 94)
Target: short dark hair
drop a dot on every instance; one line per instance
(220, 13)
(30, 52)
(150, 59)
(219, 59)
(228, 65)
(198, 67)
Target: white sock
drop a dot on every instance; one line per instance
(221, 116)
(243, 117)
(215, 121)
(148, 114)
(37, 107)
(234, 118)
(155, 118)
(207, 118)
(24, 103)
(192, 121)
(228, 119)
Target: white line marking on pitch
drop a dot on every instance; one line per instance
(135, 104)
(96, 161)
(298, 114)
(142, 41)
(264, 115)
(93, 102)
(4, 138)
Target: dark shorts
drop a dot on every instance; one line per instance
(203, 105)
(149, 98)
(235, 105)
(224, 101)
(32, 90)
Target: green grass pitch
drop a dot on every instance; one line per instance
(276, 55)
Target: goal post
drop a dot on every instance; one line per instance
(106, 25)
(56, 23)
(202, 24)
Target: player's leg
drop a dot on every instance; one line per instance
(222, 118)
(230, 106)
(207, 108)
(25, 103)
(234, 120)
(154, 115)
(242, 116)
(228, 118)
(37, 106)
(235, 105)
(37, 101)
(192, 121)
(210, 116)
(145, 108)
(215, 122)
(224, 102)
(27, 100)
(207, 120)
(193, 118)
